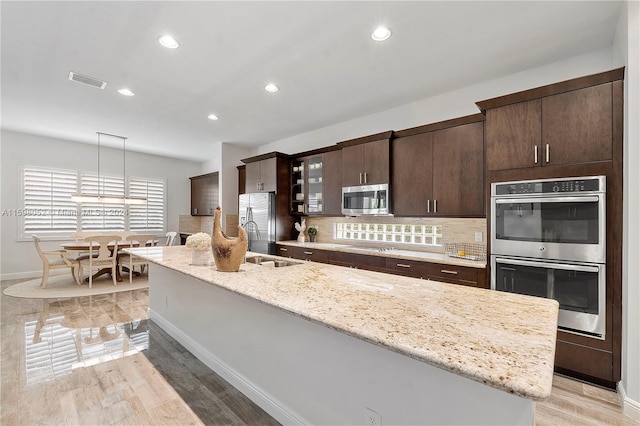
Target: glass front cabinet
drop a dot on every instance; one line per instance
(307, 186)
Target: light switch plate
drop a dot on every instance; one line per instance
(479, 237)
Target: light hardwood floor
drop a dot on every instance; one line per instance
(98, 360)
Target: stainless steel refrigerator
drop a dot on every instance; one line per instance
(257, 213)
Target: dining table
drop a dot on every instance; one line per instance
(85, 246)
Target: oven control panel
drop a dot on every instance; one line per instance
(550, 186)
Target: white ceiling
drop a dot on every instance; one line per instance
(320, 54)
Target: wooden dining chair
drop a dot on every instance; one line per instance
(56, 259)
(125, 259)
(171, 238)
(106, 248)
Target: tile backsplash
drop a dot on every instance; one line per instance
(454, 230)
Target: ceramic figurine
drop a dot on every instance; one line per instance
(301, 228)
(228, 253)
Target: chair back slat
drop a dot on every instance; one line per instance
(104, 253)
(142, 239)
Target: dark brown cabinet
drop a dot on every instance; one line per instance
(359, 261)
(473, 277)
(303, 253)
(408, 268)
(440, 172)
(332, 178)
(261, 176)
(204, 194)
(365, 161)
(573, 127)
(307, 186)
(577, 126)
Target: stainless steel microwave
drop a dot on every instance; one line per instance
(365, 200)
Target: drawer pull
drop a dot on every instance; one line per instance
(445, 271)
(283, 249)
(403, 265)
(308, 252)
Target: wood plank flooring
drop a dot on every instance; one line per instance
(98, 360)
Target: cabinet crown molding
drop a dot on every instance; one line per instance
(552, 89)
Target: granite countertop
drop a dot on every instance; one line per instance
(395, 253)
(504, 340)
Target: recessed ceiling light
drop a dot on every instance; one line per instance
(213, 117)
(168, 42)
(126, 92)
(271, 88)
(381, 33)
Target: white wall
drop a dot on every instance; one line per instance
(627, 47)
(19, 258)
(453, 104)
(232, 155)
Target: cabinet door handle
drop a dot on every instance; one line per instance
(446, 271)
(403, 265)
(365, 177)
(283, 249)
(546, 153)
(535, 154)
(360, 178)
(428, 206)
(195, 211)
(435, 206)
(308, 252)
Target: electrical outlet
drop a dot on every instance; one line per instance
(478, 237)
(372, 418)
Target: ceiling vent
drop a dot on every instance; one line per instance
(84, 79)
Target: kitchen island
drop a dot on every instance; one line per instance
(321, 344)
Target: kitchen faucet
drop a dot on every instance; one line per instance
(255, 225)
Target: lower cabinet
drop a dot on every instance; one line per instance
(303, 253)
(408, 268)
(474, 277)
(360, 261)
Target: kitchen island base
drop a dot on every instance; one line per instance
(302, 372)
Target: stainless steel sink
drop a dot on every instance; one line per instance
(278, 263)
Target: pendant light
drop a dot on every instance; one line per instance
(109, 199)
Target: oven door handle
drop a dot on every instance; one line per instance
(547, 265)
(586, 199)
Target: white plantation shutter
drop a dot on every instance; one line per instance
(98, 216)
(48, 209)
(149, 217)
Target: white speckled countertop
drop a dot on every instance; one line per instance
(506, 341)
(395, 253)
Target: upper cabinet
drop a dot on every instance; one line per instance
(571, 122)
(365, 161)
(316, 184)
(261, 176)
(204, 194)
(438, 169)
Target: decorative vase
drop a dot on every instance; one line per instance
(228, 253)
(312, 238)
(201, 257)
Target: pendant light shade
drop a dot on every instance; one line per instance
(102, 198)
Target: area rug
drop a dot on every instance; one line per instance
(62, 286)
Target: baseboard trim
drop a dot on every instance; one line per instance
(31, 274)
(630, 407)
(265, 401)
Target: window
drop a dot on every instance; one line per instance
(98, 216)
(49, 211)
(149, 217)
(47, 207)
(426, 235)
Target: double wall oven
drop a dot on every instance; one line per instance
(548, 240)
